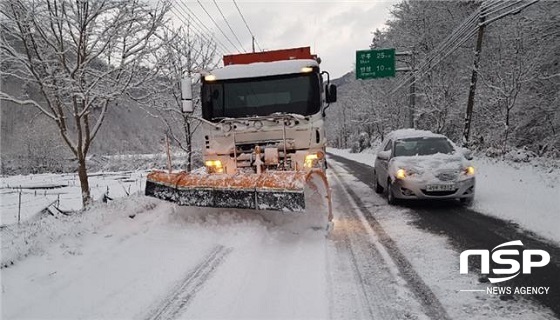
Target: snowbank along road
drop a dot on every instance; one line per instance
(146, 259)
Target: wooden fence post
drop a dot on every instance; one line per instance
(19, 207)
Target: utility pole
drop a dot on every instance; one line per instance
(412, 103)
(474, 78)
(186, 119)
(493, 14)
(253, 37)
(412, 88)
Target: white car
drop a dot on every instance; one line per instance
(417, 164)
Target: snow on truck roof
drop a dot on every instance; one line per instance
(262, 69)
(412, 133)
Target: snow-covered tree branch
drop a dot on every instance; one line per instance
(81, 56)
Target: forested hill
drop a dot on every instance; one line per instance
(517, 102)
(30, 140)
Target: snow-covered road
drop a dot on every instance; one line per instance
(140, 258)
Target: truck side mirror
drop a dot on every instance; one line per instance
(330, 93)
(186, 95)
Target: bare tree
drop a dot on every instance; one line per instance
(507, 80)
(185, 54)
(81, 56)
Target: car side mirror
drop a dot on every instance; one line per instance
(186, 95)
(330, 93)
(467, 153)
(384, 155)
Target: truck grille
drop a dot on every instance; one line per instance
(246, 154)
(250, 147)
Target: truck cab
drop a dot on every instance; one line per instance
(265, 111)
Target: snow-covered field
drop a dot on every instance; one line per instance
(524, 193)
(40, 190)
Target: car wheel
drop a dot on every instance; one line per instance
(466, 201)
(390, 196)
(378, 187)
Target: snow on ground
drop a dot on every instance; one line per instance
(40, 190)
(524, 193)
(138, 257)
(104, 264)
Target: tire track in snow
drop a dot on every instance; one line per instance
(388, 249)
(383, 293)
(368, 306)
(183, 293)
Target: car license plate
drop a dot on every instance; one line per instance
(440, 187)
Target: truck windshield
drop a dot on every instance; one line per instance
(296, 93)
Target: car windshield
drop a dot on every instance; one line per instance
(422, 146)
(297, 94)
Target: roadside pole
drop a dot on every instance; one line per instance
(474, 78)
(487, 14)
(168, 152)
(19, 207)
(412, 86)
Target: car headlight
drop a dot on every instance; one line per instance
(401, 174)
(407, 172)
(469, 171)
(214, 166)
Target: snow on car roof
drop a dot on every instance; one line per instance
(413, 133)
(262, 69)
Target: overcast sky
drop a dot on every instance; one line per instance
(333, 29)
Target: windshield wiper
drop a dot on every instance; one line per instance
(292, 115)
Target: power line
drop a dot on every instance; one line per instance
(180, 52)
(217, 26)
(187, 19)
(196, 31)
(496, 6)
(516, 10)
(461, 34)
(229, 26)
(465, 31)
(194, 18)
(247, 25)
(219, 50)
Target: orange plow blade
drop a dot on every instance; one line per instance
(272, 190)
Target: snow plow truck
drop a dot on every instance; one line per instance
(264, 137)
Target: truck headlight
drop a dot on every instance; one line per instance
(401, 174)
(312, 160)
(469, 171)
(214, 166)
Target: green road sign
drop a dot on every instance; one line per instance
(373, 64)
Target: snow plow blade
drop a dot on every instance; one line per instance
(273, 190)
